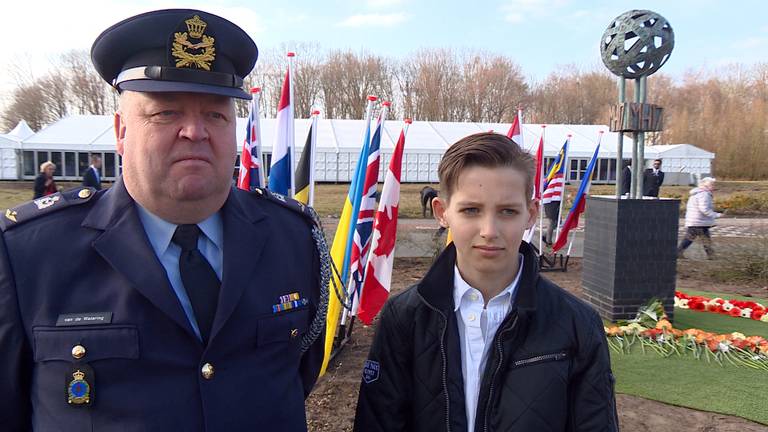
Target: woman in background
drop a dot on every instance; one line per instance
(44, 184)
(699, 217)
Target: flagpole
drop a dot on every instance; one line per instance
(256, 95)
(292, 129)
(566, 174)
(312, 149)
(541, 193)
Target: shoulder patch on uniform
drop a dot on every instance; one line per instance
(289, 203)
(41, 206)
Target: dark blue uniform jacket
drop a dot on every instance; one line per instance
(89, 254)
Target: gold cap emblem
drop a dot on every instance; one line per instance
(191, 54)
(84, 193)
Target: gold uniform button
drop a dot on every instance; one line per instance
(207, 371)
(78, 351)
(84, 193)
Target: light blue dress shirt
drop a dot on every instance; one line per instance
(210, 244)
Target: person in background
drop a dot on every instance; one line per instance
(551, 211)
(92, 176)
(699, 217)
(626, 179)
(44, 183)
(652, 179)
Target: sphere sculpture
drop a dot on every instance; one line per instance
(637, 43)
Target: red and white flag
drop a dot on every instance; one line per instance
(516, 130)
(378, 273)
(537, 185)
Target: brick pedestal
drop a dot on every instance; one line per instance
(630, 254)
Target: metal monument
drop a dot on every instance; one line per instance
(630, 242)
(635, 45)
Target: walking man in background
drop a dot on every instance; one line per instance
(92, 176)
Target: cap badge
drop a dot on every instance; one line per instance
(192, 48)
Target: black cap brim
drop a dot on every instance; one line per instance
(172, 87)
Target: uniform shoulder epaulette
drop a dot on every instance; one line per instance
(41, 206)
(290, 204)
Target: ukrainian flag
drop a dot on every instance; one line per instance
(340, 249)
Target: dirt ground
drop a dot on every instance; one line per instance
(331, 406)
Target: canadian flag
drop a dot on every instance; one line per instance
(516, 130)
(378, 273)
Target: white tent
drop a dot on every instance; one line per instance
(338, 144)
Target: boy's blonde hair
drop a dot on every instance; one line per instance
(488, 150)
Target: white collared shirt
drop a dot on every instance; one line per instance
(210, 244)
(477, 328)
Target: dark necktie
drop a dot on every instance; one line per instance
(199, 278)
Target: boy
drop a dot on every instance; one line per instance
(482, 342)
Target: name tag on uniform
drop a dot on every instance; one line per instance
(84, 319)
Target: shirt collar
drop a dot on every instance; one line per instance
(460, 286)
(160, 231)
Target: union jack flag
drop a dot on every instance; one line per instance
(555, 180)
(251, 173)
(364, 225)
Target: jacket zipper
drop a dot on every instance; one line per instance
(555, 356)
(500, 352)
(445, 365)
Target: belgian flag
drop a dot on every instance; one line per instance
(305, 169)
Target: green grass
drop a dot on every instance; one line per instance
(717, 323)
(697, 384)
(692, 383)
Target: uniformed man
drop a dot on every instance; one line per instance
(171, 301)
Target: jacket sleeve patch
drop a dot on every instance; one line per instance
(371, 371)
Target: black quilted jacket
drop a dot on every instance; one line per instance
(549, 368)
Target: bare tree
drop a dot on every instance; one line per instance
(492, 88)
(348, 78)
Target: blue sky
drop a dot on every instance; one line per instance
(540, 35)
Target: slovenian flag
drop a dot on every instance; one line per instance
(580, 203)
(378, 274)
(281, 168)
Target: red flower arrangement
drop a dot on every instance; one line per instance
(734, 308)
